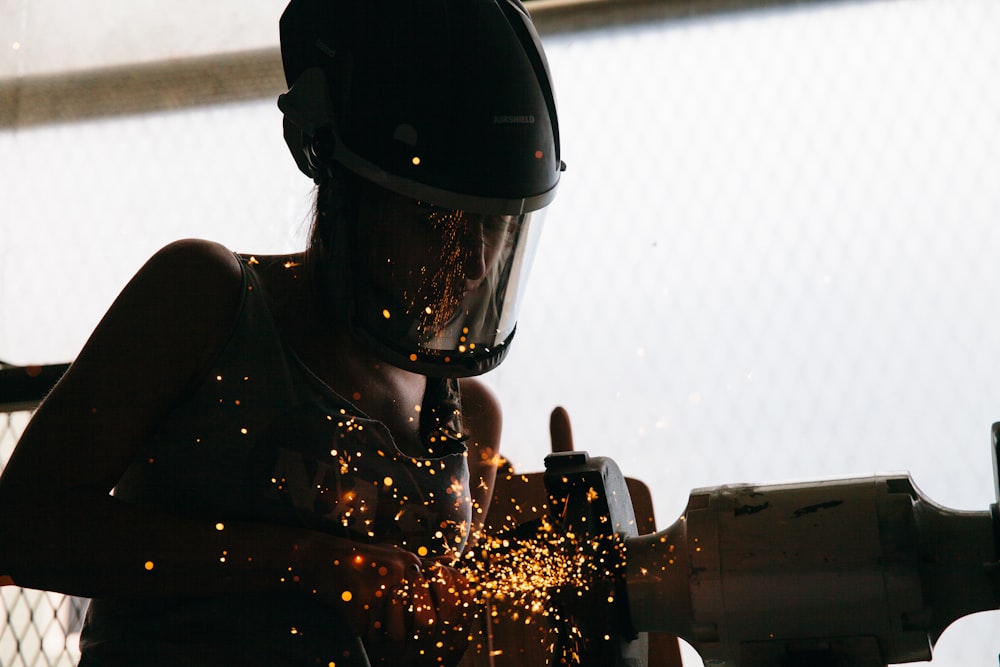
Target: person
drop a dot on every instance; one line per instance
(277, 460)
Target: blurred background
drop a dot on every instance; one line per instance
(774, 255)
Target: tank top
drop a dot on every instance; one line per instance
(261, 438)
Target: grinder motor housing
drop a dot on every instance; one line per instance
(859, 572)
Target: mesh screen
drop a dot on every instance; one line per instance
(772, 256)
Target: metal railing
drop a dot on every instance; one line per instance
(256, 74)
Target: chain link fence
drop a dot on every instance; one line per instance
(773, 255)
(37, 628)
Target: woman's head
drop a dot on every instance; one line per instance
(431, 129)
(432, 289)
(427, 260)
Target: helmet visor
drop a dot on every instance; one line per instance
(437, 289)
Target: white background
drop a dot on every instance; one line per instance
(773, 256)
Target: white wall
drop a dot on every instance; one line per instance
(53, 36)
(773, 255)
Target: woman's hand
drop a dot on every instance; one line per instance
(438, 611)
(406, 610)
(365, 582)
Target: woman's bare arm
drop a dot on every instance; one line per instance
(61, 529)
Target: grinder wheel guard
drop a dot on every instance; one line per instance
(590, 504)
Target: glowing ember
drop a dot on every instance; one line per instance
(536, 569)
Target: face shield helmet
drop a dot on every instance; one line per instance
(438, 288)
(445, 111)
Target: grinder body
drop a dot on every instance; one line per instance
(858, 572)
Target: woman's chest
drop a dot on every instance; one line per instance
(346, 474)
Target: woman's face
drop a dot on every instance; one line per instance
(427, 260)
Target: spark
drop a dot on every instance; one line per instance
(537, 576)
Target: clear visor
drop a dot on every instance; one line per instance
(438, 290)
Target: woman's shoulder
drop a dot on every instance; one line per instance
(183, 300)
(481, 409)
(195, 260)
(189, 274)
(194, 275)
(475, 393)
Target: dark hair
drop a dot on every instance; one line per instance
(328, 259)
(331, 243)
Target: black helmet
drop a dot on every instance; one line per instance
(447, 101)
(444, 102)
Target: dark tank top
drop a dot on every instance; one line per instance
(261, 438)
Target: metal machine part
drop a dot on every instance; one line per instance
(449, 106)
(834, 573)
(591, 504)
